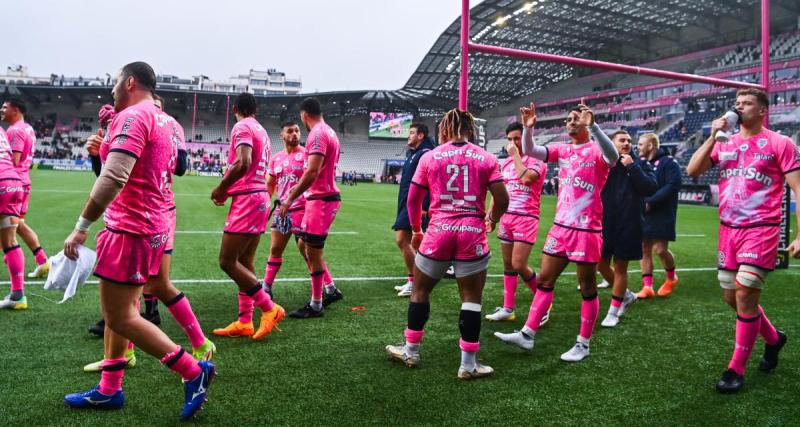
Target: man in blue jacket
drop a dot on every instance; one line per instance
(418, 144)
(629, 182)
(660, 215)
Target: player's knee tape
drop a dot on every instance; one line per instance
(751, 277)
(727, 279)
(6, 222)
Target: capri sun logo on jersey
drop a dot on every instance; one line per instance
(750, 173)
(576, 181)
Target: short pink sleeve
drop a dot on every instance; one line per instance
(421, 174)
(271, 166)
(788, 155)
(129, 135)
(16, 140)
(318, 143)
(715, 154)
(553, 153)
(241, 134)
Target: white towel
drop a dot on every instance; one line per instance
(68, 274)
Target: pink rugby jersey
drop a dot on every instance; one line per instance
(524, 200)
(322, 140)
(146, 133)
(581, 176)
(752, 177)
(7, 169)
(286, 169)
(22, 138)
(249, 132)
(457, 176)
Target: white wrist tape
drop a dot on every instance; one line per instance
(83, 224)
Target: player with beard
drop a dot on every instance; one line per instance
(754, 164)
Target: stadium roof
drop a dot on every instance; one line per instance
(621, 31)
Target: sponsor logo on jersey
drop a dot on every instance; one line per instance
(479, 250)
(759, 156)
(762, 142)
(744, 147)
(585, 151)
(728, 155)
(747, 173)
(576, 253)
(749, 255)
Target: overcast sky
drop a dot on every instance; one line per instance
(331, 45)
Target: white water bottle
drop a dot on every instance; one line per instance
(732, 119)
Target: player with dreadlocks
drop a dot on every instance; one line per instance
(457, 175)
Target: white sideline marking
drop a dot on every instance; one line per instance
(366, 279)
(220, 232)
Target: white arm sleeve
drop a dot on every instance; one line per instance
(610, 153)
(529, 148)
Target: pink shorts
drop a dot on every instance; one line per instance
(297, 220)
(26, 197)
(755, 246)
(248, 214)
(575, 245)
(129, 259)
(12, 193)
(318, 218)
(173, 225)
(456, 239)
(518, 228)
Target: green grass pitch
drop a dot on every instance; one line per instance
(658, 367)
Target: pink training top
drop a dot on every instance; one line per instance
(21, 138)
(322, 140)
(581, 176)
(7, 169)
(524, 200)
(457, 177)
(148, 134)
(751, 177)
(249, 132)
(286, 170)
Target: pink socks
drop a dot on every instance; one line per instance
(542, 301)
(317, 281)
(183, 363)
(589, 309)
(746, 334)
(15, 260)
(111, 376)
(509, 289)
(245, 308)
(40, 255)
(671, 276)
(273, 267)
(182, 312)
(261, 299)
(647, 280)
(767, 331)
